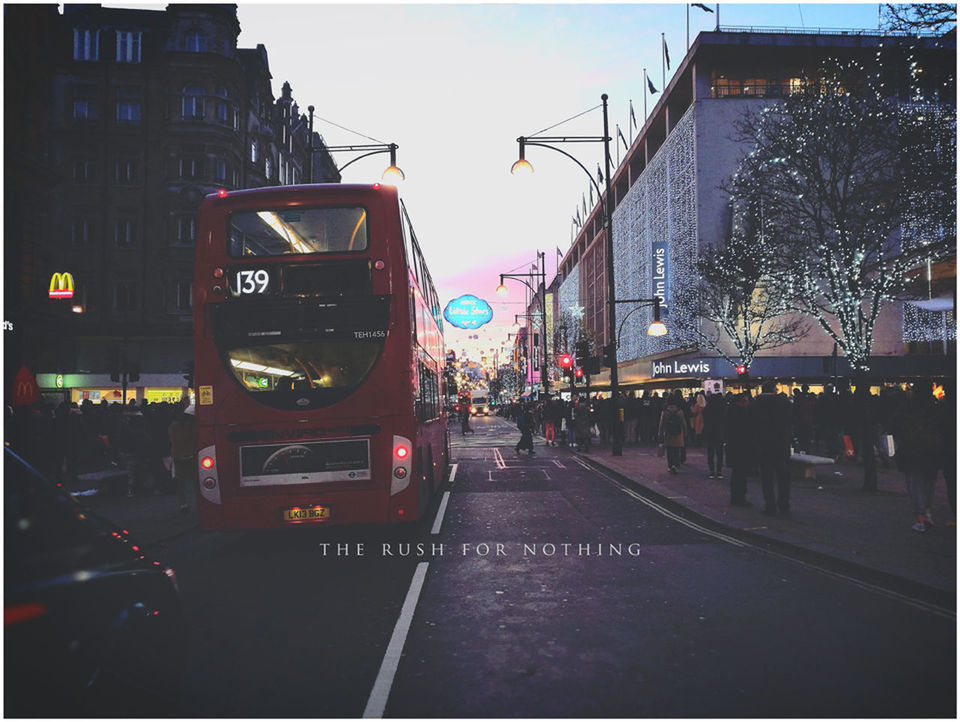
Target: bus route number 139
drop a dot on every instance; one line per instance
(251, 282)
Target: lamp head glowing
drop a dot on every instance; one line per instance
(501, 289)
(657, 328)
(393, 174)
(522, 165)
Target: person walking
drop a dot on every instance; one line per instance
(465, 420)
(183, 449)
(773, 433)
(551, 420)
(739, 447)
(583, 419)
(672, 432)
(919, 449)
(525, 424)
(714, 423)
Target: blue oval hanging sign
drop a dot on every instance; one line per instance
(468, 311)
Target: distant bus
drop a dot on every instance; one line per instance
(318, 359)
(479, 406)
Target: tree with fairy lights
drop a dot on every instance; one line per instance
(747, 305)
(911, 17)
(833, 166)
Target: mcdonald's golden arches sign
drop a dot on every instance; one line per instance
(61, 285)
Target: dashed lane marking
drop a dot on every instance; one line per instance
(440, 513)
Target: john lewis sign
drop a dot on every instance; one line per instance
(700, 368)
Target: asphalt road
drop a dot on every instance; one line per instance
(555, 593)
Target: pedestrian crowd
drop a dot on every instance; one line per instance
(757, 436)
(153, 444)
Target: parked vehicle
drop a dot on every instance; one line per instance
(92, 626)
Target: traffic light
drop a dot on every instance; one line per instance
(579, 374)
(609, 355)
(583, 351)
(742, 371)
(593, 365)
(566, 365)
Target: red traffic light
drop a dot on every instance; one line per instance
(565, 361)
(579, 373)
(741, 370)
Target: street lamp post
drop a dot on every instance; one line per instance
(541, 294)
(392, 172)
(523, 165)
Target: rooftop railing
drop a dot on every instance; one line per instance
(874, 32)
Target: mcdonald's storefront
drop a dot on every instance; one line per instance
(98, 388)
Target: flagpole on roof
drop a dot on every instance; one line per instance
(644, 95)
(663, 59)
(687, 5)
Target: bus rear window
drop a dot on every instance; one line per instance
(322, 371)
(297, 231)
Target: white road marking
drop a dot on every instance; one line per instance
(440, 512)
(499, 459)
(377, 702)
(453, 473)
(557, 462)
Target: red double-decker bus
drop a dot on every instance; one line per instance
(318, 352)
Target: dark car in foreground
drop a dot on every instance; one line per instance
(92, 627)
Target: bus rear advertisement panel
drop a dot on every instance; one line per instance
(317, 352)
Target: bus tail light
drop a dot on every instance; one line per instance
(400, 479)
(209, 476)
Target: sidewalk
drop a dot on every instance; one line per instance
(149, 517)
(828, 515)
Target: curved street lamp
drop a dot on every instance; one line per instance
(523, 165)
(392, 174)
(541, 295)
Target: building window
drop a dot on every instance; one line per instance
(81, 231)
(267, 168)
(86, 44)
(254, 156)
(221, 170)
(81, 109)
(184, 299)
(193, 103)
(125, 296)
(84, 103)
(83, 171)
(126, 171)
(195, 42)
(191, 167)
(128, 106)
(128, 46)
(125, 233)
(224, 116)
(186, 230)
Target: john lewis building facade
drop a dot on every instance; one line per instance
(669, 204)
